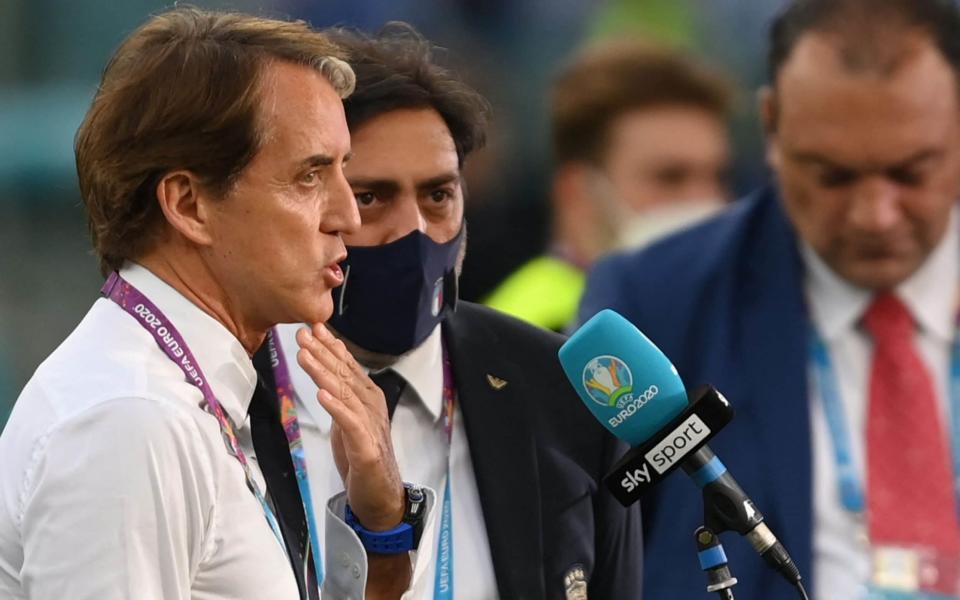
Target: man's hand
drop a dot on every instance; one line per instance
(362, 447)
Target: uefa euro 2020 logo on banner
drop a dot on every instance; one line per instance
(608, 381)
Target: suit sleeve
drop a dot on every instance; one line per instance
(618, 572)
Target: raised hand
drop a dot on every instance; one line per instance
(360, 436)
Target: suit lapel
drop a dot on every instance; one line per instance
(502, 448)
(773, 334)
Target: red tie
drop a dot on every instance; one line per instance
(910, 494)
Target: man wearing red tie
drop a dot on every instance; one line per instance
(825, 308)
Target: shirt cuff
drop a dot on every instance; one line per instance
(345, 559)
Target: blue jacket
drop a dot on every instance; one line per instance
(724, 300)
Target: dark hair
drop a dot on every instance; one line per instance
(605, 81)
(864, 27)
(396, 69)
(181, 92)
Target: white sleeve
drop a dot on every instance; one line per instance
(115, 505)
(345, 560)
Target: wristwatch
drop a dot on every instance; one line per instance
(402, 538)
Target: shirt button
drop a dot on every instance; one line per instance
(355, 569)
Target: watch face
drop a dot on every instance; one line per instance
(414, 494)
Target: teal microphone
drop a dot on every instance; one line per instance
(634, 390)
(623, 378)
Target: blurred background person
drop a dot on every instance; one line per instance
(825, 307)
(641, 148)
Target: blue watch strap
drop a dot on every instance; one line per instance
(392, 541)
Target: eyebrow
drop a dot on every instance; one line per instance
(323, 160)
(920, 156)
(393, 185)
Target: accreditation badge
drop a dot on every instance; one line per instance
(913, 573)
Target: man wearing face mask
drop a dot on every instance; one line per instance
(641, 149)
(480, 409)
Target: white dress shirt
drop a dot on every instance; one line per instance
(420, 445)
(115, 483)
(840, 548)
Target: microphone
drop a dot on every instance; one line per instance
(634, 390)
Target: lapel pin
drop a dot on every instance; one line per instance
(495, 382)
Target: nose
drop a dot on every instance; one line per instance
(341, 213)
(875, 205)
(405, 217)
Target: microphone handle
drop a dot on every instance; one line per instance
(727, 507)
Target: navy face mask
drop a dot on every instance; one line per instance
(394, 295)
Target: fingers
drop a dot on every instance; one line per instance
(333, 355)
(328, 381)
(330, 351)
(356, 443)
(348, 420)
(339, 350)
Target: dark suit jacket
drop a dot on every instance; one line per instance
(538, 456)
(724, 301)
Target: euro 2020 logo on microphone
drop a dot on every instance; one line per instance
(608, 381)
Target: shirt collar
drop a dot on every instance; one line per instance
(221, 357)
(422, 368)
(931, 292)
(836, 304)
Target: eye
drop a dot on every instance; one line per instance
(906, 176)
(441, 195)
(834, 178)
(365, 198)
(310, 178)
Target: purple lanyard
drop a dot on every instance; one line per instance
(175, 347)
(291, 426)
(449, 397)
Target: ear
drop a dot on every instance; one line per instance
(185, 205)
(768, 109)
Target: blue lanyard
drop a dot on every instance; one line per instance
(849, 484)
(443, 576)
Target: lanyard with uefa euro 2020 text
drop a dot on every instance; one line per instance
(175, 347)
(443, 578)
(849, 484)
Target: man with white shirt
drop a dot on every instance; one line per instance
(825, 308)
(210, 164)
(480, 408)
